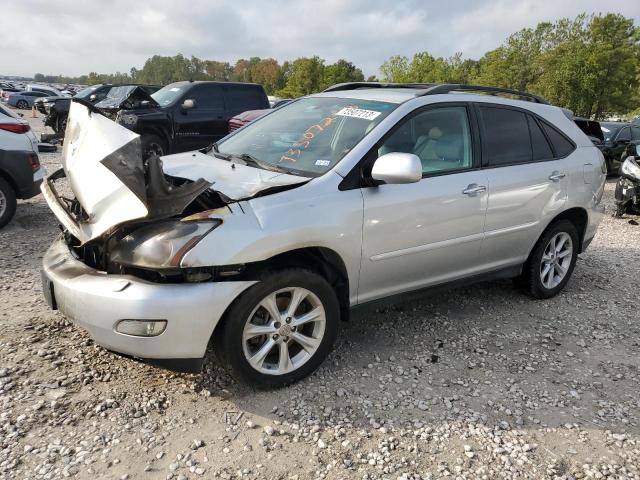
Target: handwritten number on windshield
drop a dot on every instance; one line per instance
(309, 134)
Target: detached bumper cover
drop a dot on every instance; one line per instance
(96, 301)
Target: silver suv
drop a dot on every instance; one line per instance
(260, 244)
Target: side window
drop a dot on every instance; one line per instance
(206, 96)
(240, 99)
(624, 135)
(440, 137)
(540, 146)
(506, 139)
(561, 145)
(635, 133)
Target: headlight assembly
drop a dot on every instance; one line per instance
(631, 168)
(161, 245)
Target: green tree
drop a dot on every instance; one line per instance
(340, 72)
(304, 76)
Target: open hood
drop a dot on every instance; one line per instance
(112, 185)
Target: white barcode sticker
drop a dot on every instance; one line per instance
(358, 113)
(323, 163)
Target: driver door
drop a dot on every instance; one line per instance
(431, 231)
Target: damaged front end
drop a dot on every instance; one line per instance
(123, 215)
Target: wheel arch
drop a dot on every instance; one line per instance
(576, 215)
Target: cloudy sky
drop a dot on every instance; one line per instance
(73, 37)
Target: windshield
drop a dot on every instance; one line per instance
(610, 129)
(308, 136)
(86, 92)
(170, 93)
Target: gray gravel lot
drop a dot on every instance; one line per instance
(479, 382)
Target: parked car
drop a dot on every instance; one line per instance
(48, 91)
(617, 136)
(262, 243)
(190, 115)
(56, 109)
(20, 169)
(24, 100)
(6, 90)
(243, 118)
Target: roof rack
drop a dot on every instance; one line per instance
(437, 89)
(458, 87)
(356, 85)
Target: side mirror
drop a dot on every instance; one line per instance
(188, 104)
(397, 167)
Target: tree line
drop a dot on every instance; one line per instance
(590, 64)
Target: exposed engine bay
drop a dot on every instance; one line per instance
(129, 215)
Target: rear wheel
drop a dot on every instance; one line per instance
(280, 330)
(22, 104)
(552, 261)
(7, 202)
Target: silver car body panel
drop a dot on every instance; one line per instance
(390, 238)
(96, 302)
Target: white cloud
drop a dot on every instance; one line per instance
(74, 37)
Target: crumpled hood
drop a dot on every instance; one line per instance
(233, 180)
(112, 185)
(127, 97)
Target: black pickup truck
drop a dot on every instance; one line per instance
(189, 115)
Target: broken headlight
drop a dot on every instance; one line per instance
(160, 245)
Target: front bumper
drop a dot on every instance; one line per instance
(96, 301)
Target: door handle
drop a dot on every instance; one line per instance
(556, 176)
(473, 189)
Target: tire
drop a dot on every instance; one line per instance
(61, 125)
(533, 279)
(22, 104)
(7, 202)
(153, 144)
(234, 344)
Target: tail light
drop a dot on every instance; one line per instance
(34, 161)
(15, 127)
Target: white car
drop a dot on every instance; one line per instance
(261, 243)
(20, 171)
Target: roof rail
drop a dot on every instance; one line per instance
(458, 87)
(357, 85)
(436, 89)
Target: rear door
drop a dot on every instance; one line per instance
(527, 176)
(204, 124)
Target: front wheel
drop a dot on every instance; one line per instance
(22, 104)
(552, 261)
(153, 145)
(280, 330)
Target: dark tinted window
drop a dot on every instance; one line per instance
(240, 99)
(561, 144)
(206, 96)
(635, 133)
(506, 136)
(539, 144)
(625, 134)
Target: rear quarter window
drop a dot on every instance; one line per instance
(562, 146)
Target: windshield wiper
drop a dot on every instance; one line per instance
(254, 162)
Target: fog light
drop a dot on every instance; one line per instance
(141, 328)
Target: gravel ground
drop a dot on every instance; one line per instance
(480, 382)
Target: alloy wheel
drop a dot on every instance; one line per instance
(284, 330)
(556, 260)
